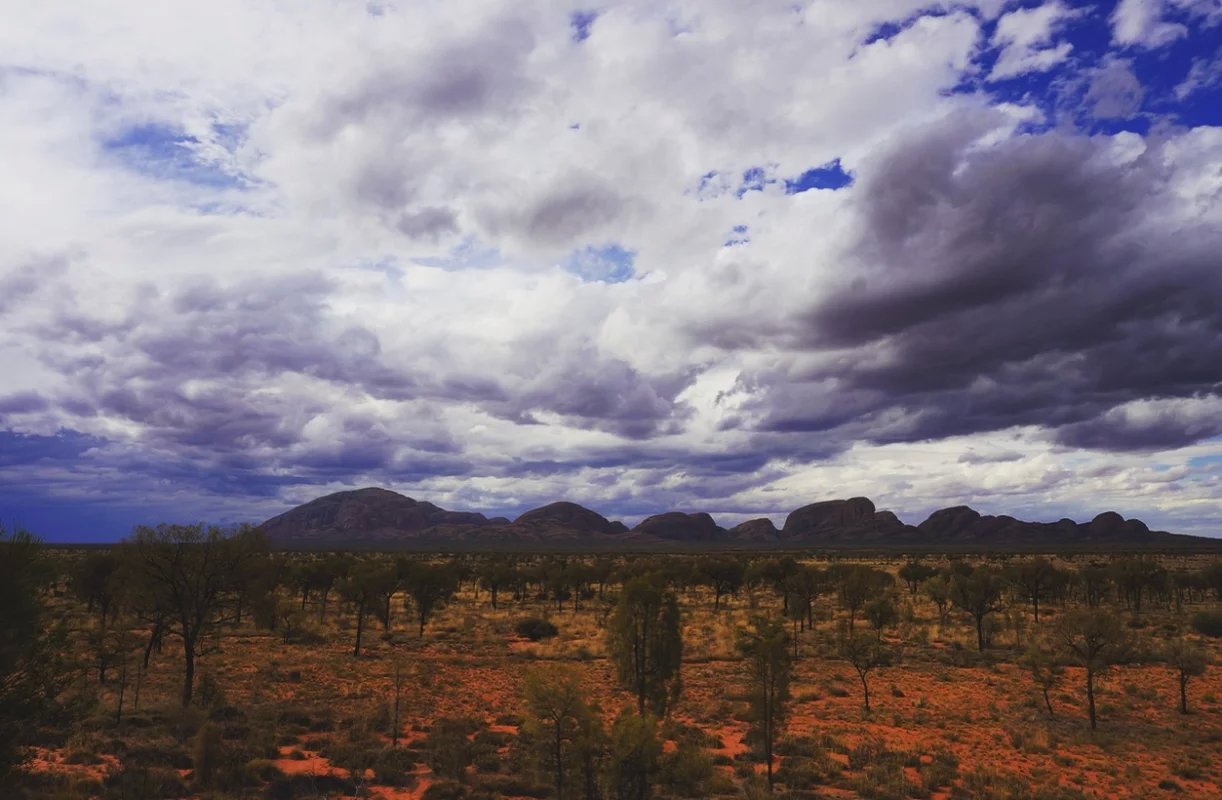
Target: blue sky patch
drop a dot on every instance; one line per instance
(581, 22)
(162, 152)
(609, 263)
(738, 235)
(829, 176)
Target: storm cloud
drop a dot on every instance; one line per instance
(730, 258)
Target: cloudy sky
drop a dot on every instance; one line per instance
(713, 255)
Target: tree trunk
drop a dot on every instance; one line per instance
(360, 628)
(1183, 693)
(1090, 697)
(1048, 703)
(122, 690)
(558, 754)
(188, 681)
(865, 688)
(980, 632)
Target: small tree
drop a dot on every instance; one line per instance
(979, 594)
(635, 750)
(881, 613)
(1044, 670)
(646, 642)
(559, 717)
(1035, 579)
(1189, 661)
(765, 646)
(32, 671)
(430, 587)
(187, 574)
(398, 682)
(1095, 640)
(866, 653)
(723, 574)
(360, 588)
(859, 585)
(937, 589)
(914, 573)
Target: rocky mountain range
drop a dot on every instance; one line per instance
(381, 518)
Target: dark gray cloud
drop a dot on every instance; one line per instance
(1026, 282)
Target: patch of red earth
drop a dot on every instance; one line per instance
(312, 764)
(52, 762)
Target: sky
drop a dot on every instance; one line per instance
(721, 256)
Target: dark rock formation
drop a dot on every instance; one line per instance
(755, 530)
(569, 516)
(676, 526)
(366, 514)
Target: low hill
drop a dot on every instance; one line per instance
(381, 518)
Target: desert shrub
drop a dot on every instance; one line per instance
(449, 749)
(798, 772)
(867, 752)
(393, 767)
(1208, 623)
(445, 790)
(262, 770)
(883, 781)
(206, 754)
(139, 781)
(687, 770)
(535, 629)
(209, 693)
(514, 786)
(300, 787)
(943, 770)
(806, 746)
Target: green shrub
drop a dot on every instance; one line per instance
(535, 629)
(1208, 623)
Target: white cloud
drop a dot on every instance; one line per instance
(1026, 37)
(409, 184)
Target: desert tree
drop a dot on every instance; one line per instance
(915, 573)
(765, 648)
(186, 573)
(494, 574)
(95, 581)
(1041, 664)
(33, 673)
(399, 677)
(559, 718)
(635, 751)
(360, 589)
(429, 587)
(865, 653)
(1094, 581)
(1189, 660)
(1035, 580)
(645, 640)
(858, 585)
(723, 575)
(881, 613)
(802, 587)
(937, 589)
(1136, 577)
(979, 594)
(1095, 640)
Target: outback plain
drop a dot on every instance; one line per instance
(803, 675)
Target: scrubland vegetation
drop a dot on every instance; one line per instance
(189, 662)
